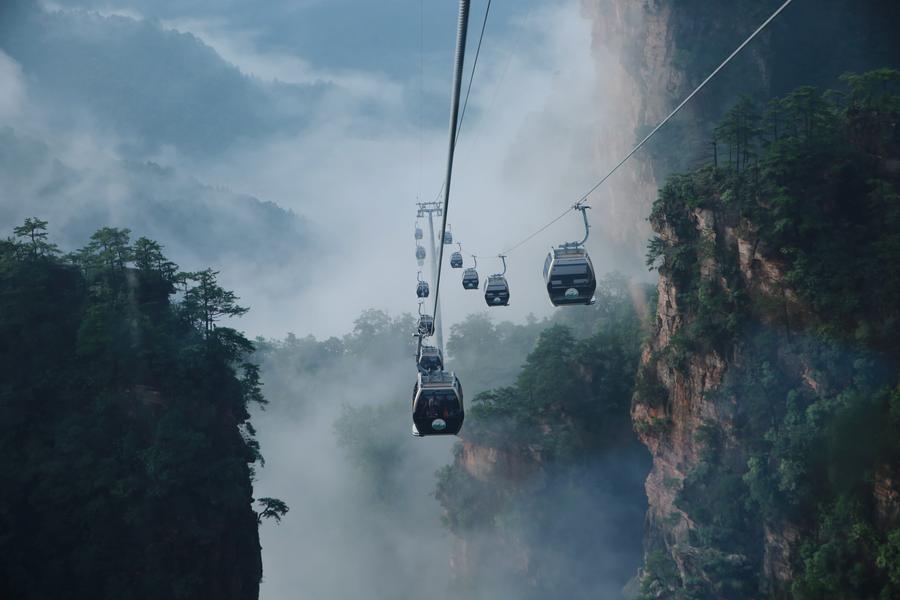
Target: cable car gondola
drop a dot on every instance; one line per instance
(422, 287)
(448, 237)
(437, 404)
(420, 252)
(456, 259)
(496, 289)
(419, 233)
(430, 359)
(470, 277)
(569, 273)
(426, 323)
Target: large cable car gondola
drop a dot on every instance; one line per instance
(470, 277)
(496, 288)
(568, 271)
(456, 259)
(437, 404)
(422, 287)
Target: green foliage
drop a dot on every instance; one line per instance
(564, 446)
(876, 89)
(205, 302)
(473, 346)
(888, 559)
(739, 130)
(475, 503)
(808, 407)
(33, 235)
(660, 578)
(571, 394)
(820, 204)
(271, 508)
(125, 442)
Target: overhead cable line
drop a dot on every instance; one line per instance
(498, 84)
(686, 100)
(421, 91)
(462, 116)
(641, 144)
(462, 30)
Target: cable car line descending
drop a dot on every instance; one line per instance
(584, 197)
(686, 100)
(462, 31)
(437, 399)
(462, 116)
(421, 94)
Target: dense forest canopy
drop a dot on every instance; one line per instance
(813, 178)
(126, 447)
(555, 513)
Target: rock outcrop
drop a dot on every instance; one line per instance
(653, 54)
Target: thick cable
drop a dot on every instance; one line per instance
(462, 116)
(461, 32)
(421, 92)
(686, 100)
(640, 145)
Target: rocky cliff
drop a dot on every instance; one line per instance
(739, 326)
(677, 404)
(544, 498)
(773, 353)
(650, 55)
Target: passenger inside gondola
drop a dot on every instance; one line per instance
(440, 406)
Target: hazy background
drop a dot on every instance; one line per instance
(285, 143)
(316, 107)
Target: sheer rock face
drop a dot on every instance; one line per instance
(887, 497)
(779, 544)
(650, 60)
(670, 428)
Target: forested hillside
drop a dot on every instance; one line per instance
(769, 394)
(126, 450)
(545, 496)
(339, 430)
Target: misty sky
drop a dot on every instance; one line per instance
(316, 106)
(285, 144)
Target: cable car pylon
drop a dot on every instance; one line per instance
(430, 209)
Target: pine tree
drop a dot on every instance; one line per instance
(206, 302)
(34, 233)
